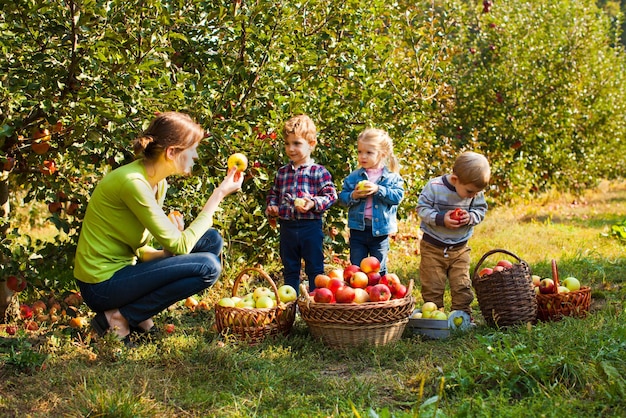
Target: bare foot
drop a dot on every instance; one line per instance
(117, 322)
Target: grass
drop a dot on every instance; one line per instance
(573, 367)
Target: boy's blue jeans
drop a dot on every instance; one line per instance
(301, 239)
(364, 244)
(145, 289)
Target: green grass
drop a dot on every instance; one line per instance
(573, 367)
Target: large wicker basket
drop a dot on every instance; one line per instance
(554, 306)
(341, 325)
(253, 325)
(506, 297)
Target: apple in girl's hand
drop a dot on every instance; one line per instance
(349, 271)
(361, 185)
(238, 160)
(345, 294)
(287, 293)
(321, 280)
(370, 264)
(323, 295)
(359, 279)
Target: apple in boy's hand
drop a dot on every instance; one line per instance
(238, 160)
(456, 214)
(299, 202)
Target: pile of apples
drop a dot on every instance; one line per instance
(260, 297)
(500, 266)
(358, 284)
(547, 286)
(430, 311)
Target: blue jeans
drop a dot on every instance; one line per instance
(301, 239)
(364, 244)
(143, 290)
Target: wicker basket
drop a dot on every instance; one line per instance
(345, 325)
(506, 297)
(253, 325)
(554, 306)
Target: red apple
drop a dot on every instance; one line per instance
(349, 271)
(399, 291)
(370, 264)
(321, 280)
(345, 294)
(391, 280)
(485, 272)
(456, 214)
(11, 329)
(323, 295)
(26, 312)
(505, 263)
(169, 328)
(380, 293)
(359, 279)
(16, 284)
(335, 284)
(373, 278)
(498, 268)
(546, 286)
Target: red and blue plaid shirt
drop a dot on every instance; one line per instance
(309, 180)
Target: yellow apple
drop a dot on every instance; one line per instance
(361, 185)
(238, 160)
(287, 293)
(226, 302)
(429, 307)
(265, 302)
(299, 202)
(261, 291)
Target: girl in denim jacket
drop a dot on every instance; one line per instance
(372, 193)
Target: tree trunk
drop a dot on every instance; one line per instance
(9, 304)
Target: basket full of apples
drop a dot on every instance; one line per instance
(262, 312)
(357, 305)
(556, 299)
(505, 291)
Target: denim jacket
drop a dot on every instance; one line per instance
(384, 206)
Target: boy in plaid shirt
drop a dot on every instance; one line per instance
(301, 193)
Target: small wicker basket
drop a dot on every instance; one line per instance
(341, 325)
(253, 325)
(506, 297)
(554, 306)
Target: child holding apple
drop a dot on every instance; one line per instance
(302, 191)
(372, 194)
(121, 276)
(449, 207)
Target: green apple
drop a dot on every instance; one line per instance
(439, 315)
(261, 291)
(571, 283)
(246, 303)
(563, 289)
(429, 307)
(299, 202)
(361, 185)
(265, 302)
(226, 302)
(287, 293)
(417, 315)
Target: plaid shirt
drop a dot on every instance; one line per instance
(310, 180)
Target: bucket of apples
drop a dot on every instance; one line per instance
(556, 299)
(504, 290)
(356, 305)
(261, 312)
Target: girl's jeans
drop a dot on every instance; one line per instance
(364, 244)
(143, 290)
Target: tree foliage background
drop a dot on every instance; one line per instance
(535, 85)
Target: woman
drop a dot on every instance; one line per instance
(121, 277)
